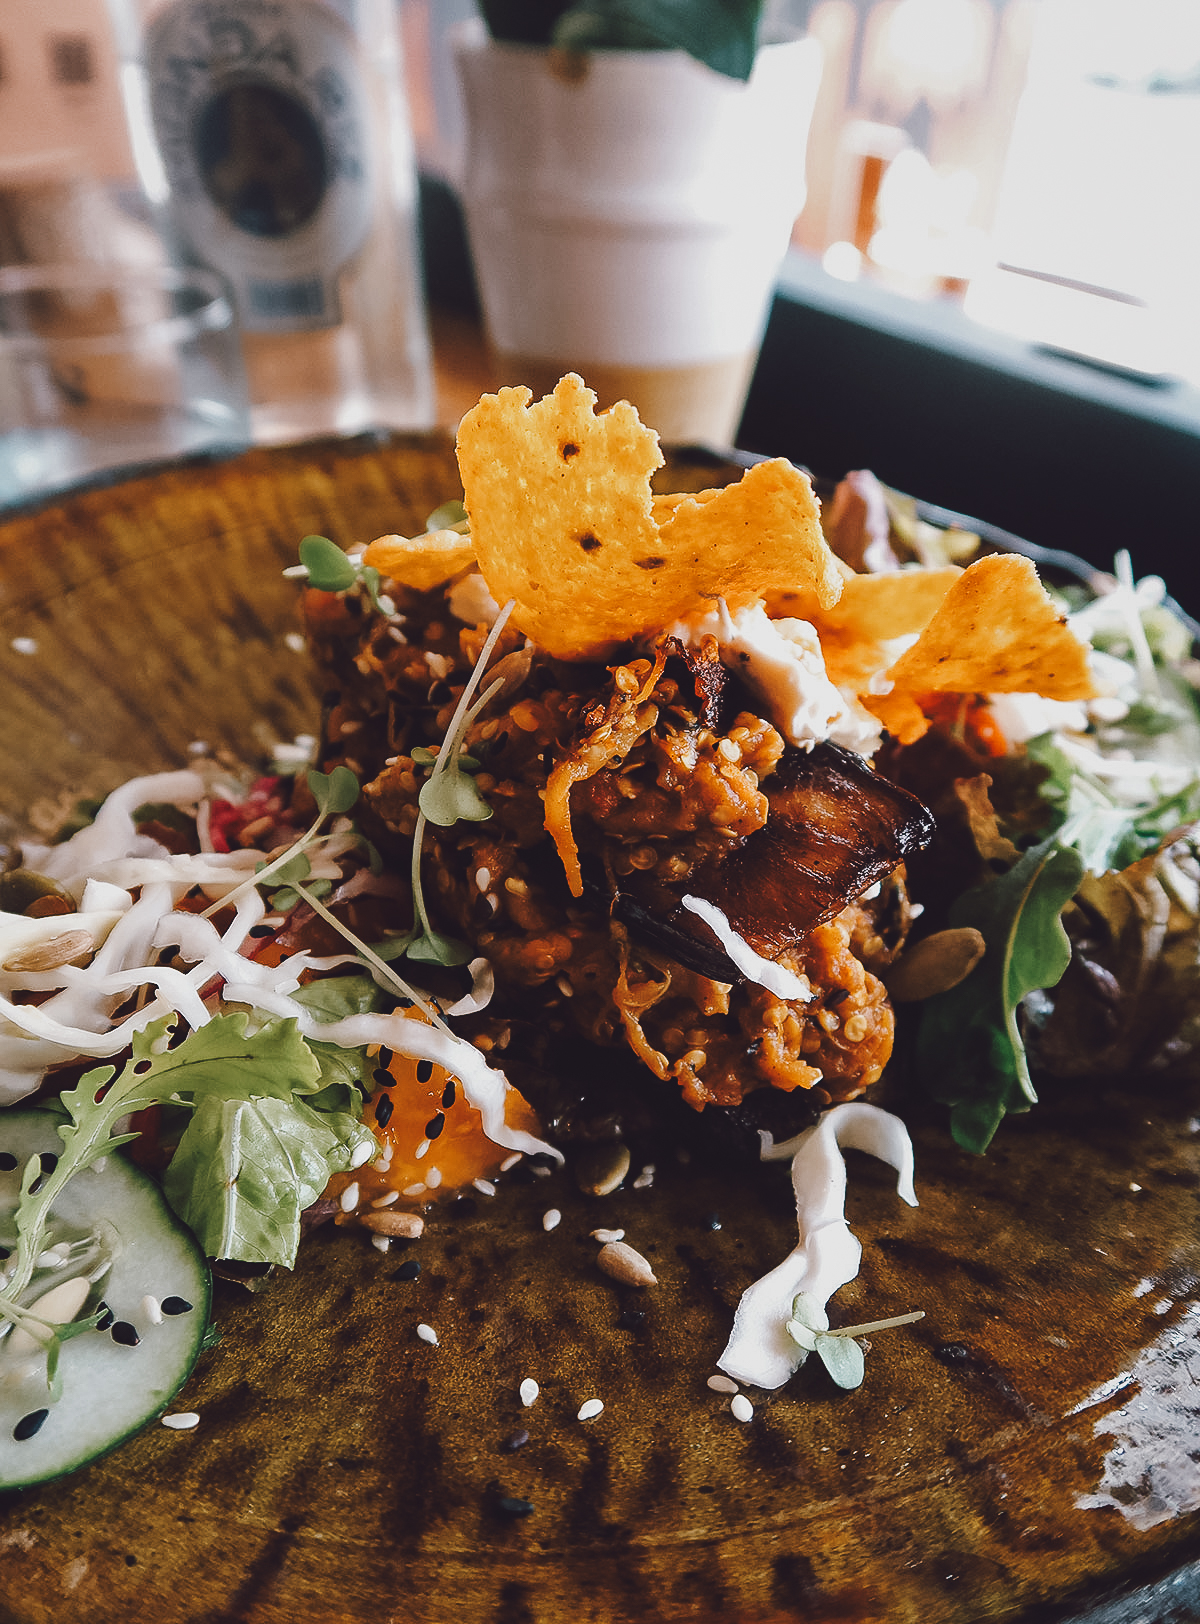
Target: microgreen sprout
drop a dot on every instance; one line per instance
(334, 793)
(327, 568)
(450, 795)
(838, 1350)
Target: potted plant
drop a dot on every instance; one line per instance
(633, 170)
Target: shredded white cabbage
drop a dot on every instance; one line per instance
(776, 978)
(826, 1256)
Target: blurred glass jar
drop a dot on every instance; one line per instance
(274, 137)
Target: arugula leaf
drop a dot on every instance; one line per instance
(970, 1054)
(333, 998)
(246, 1169)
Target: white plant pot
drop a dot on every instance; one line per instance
(629, 224)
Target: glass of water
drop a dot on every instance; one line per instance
(107, 367)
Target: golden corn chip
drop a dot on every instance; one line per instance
(424, 562)
(899, 713)
(560, 509)
(563, 521)
(996, 631)
(872, 607)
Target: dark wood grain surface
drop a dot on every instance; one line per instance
(1029, 1447)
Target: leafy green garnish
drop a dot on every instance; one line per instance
(838, 1351)
(970, 1053)
(450, 516)
(334, 793)
(250, 1082)
(329, 569)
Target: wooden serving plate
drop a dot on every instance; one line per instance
(1029, 1450)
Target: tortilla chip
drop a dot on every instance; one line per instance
(900, 714)
(563, 521)
(996, 631)
(424, 562)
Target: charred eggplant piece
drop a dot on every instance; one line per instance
(835, 827)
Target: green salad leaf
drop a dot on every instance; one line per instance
(970, 1053)
(246, 1169)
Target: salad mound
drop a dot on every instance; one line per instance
(686, 783)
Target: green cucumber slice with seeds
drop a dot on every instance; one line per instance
(131, 1259)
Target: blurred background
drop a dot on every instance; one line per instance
(991, 291)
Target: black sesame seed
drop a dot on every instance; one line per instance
(435, 1125)
(510, 1506)
(29, 1424)
(382, 1078)
(632, 1319)
(385, 1057)
(383, 1110)
(515, 1441)
(424, 1070)
(448, 1094)
(107, 1317)
(407, 1271)
(131, 1561)
(7, 1161)
(175, 1305)
(5, 1254)
(125, 1334)
(262, 930)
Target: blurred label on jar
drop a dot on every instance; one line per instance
(260, 114)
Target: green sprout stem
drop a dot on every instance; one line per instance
(877, 1325)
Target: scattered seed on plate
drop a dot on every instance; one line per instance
(348, 1199)
(125, 1334)
(626, 1265)
(605, 1236)
(589, 1410)
(389, 1197)
(509, 1162)
(427, 1334)
(529, 1391)
(181, 1421)
(540, 1172)
(381, 1243)
(741, 1408)
(645, 1178)
(551, 1219)
(514, 1441)
(484, 1186)
(433, 1178)
(511, 1506)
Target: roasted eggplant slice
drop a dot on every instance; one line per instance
(835, 827)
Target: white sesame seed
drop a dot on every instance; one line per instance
(414, 1189)
(484, 1186)
(509, 1162)
(551, 1219)
(24, 645)
(152, 1309)
(348, 1199)
(49, 1260)
(363, 1153)
(421, 1151)
(722, 1384)
(483, 878)
(607, 1236)
(565, 987)
(590, 1410)
(427, 1334)
(645, 1178)
(540, 1172)
(381, 1243)
(529, 1391)
(181, 1421)
(296, 642)
(741, 1408)
(434, 1177)
(387, 1199)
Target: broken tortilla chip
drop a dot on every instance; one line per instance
(996, 631)
(422, 562)
(563, 521)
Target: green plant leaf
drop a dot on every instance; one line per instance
(842, 1357)
(451, 514)
(431, 947)
(246, 1169)
(970, 1054)
(450, 796)
(329, 570)
(334, 792)
(720, 33)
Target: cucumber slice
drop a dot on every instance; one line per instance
(114, 1380)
